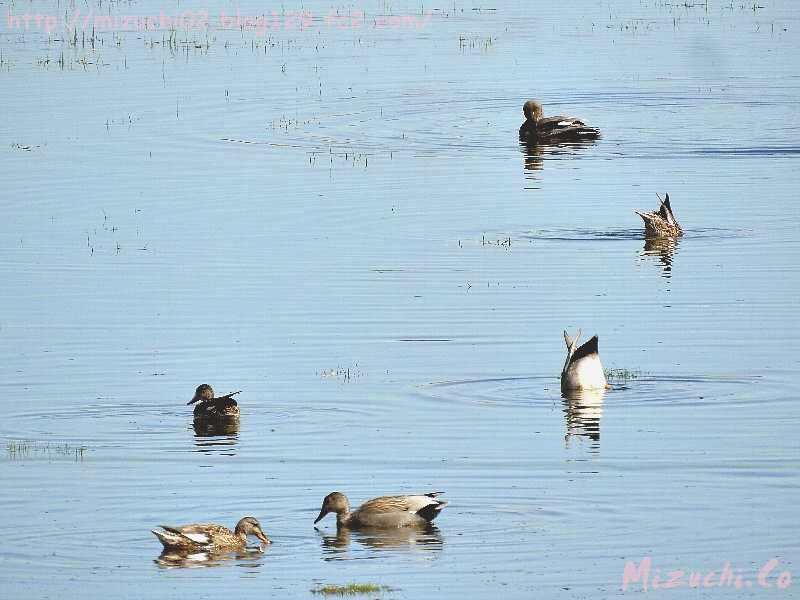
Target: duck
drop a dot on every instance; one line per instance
(210, 408)
(582, 369)
(660, 223)
(201, 537)
(538, 128)
(383, 512)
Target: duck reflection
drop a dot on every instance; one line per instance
(662, 248)
(175, 559)
(533, 155)
(220, 437)
(534, 152)
(408, 538)
(583, 410)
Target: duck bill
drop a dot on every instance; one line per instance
(322, 513)
(193, 400)
(263, 538)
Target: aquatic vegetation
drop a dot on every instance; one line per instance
(341, 373)
(503, 243)
(349, 589)
(476, 42)
(622, 374)
(24, 449)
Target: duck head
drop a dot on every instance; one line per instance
(203, 392)
(335, 502)
(251, 526)
(532, 110)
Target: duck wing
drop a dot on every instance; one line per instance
(202, 528)
(217, 407)
(419, 504)
(223, 402)
(559, 121)
(174, 537)
(562, 127)
(225, 397)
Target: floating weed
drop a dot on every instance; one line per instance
(26, 449)
(476, 42)
(4, 62)
(341, 373)
(622, 374)
(350, 589)
(503, 243)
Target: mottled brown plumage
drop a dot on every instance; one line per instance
(210, 536)
(384, 512)
(212, 409)
(660, 223)
(538, 128)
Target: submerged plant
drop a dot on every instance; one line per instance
(622, 374)
(22, 449)
(330, 589)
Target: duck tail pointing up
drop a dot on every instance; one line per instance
(666, 211)
(587, 349)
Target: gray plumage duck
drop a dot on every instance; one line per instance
(383, 512)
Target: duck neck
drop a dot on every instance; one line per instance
(343, 518)
(241, 534)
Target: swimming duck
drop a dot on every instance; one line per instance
(384, 512)
(552, 129)
(660, 223)
(210, 408)
(197, 537)
(582, 369)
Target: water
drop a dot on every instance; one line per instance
(341, 223)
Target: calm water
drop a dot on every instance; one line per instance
(340, 222)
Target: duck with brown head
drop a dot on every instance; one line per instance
(540, 129)
(210, 536)
(211, 409)
(384, 512)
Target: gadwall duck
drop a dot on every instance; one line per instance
(582, 369)
(210, 408)
(197, 537)
(538, 128)
(384, 512)
(660, 223)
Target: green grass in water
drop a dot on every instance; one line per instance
(330, 589)
(23, 449)
(623, 374)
